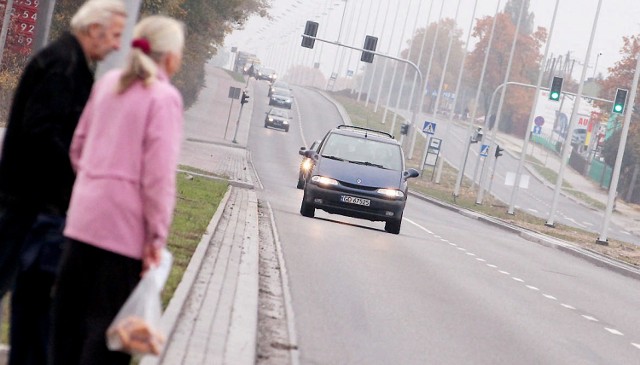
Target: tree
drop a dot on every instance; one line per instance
(525, 66)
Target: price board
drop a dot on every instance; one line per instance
(21, 31)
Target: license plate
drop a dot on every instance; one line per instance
(355, 200)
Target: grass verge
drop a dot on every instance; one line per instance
(236, 76)
(197, 200)
(364, 116)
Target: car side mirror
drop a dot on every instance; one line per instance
(302, 151)
(410, 173)
(311, 154)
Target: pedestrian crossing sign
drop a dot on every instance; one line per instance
(429, 127)
(484, 150)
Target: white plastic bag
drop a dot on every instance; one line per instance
(136, 327)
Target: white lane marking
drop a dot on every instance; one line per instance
(592, 319)
(532, 210)
(635, 345)
(436, 236)
(481, 260)
(568, 306)
(471, 254)
(533, 287)
(492, 266)
(549, 296)
(417, 225)
(588, 224)
(503, 272)
(453, 244)
(462, 249)
(614, 331)
(625, 232)
(517, 279)
(444, 240)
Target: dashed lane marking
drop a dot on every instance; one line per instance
(517, 279)
(503, 272)
(533, 287)
(635, 345)
(614, 331)
(492, 266)
(549, 296)
(592, 319)
(471, 254)
(481, 260)
(568, 306)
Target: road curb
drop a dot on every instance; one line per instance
(176, 304)
(542, 239)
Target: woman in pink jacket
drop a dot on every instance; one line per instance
(125, 152)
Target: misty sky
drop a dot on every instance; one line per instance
(280, 37)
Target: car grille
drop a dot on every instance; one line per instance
(359, 187)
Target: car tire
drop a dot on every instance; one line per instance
(286, 129)
(307, 209)
(393, 226)
(266, 124)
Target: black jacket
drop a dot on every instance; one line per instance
(34, 166)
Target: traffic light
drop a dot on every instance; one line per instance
(556, 88)
(245, 98)
(370, 44)
(498, 151)
(311, 29)
(404, 129)
(620, 101)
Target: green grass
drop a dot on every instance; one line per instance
(197, 201)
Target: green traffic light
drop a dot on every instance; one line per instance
(617, 108)
(555, 96)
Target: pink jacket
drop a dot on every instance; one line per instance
(125, 153)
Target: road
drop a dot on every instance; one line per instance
(447, 290)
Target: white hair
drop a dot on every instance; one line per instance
(164, 35)
(96, 12)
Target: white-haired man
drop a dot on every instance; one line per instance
(36, 176)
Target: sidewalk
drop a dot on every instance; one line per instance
(212, 317)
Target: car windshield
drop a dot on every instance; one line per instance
(268, 71)
(282, 92)
(278, 113)
(363, 151)
(280, 85)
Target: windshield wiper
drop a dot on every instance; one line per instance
(367, 163)
(333, 157)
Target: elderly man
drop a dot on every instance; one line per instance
(36, 177)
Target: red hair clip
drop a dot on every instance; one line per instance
(142, 44)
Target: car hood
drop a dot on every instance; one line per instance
(356, 174)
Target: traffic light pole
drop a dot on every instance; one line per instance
(416, 108)
(613, 187)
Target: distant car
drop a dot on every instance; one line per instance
(278, 85)
(266, 73)
(305, 166)
(282, 98)
(277, 118)
(360, 173)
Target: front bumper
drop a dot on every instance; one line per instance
(329, 200)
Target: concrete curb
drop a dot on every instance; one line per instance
(547, 241)
(235, 183)
(176, 304)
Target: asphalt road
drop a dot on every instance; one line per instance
(447, 290)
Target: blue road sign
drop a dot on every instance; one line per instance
(484, 150)
(537, 129)
(429, 127)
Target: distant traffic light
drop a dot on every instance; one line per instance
(620, 101)
(370, 44)
(498, 151)
(404, 129)
(245, 98)
(311, 29)
(556, 88)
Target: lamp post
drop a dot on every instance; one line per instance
(494, 131)
(572, 123)
(384, 69)
(375, 65)
(527, 136)
(595, 67)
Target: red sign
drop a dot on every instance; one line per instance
(23, 23)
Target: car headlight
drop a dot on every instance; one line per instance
(285, 122)
(324, 180)
(306, 165)
(391, 193)
(288, 100)
(271, 119)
